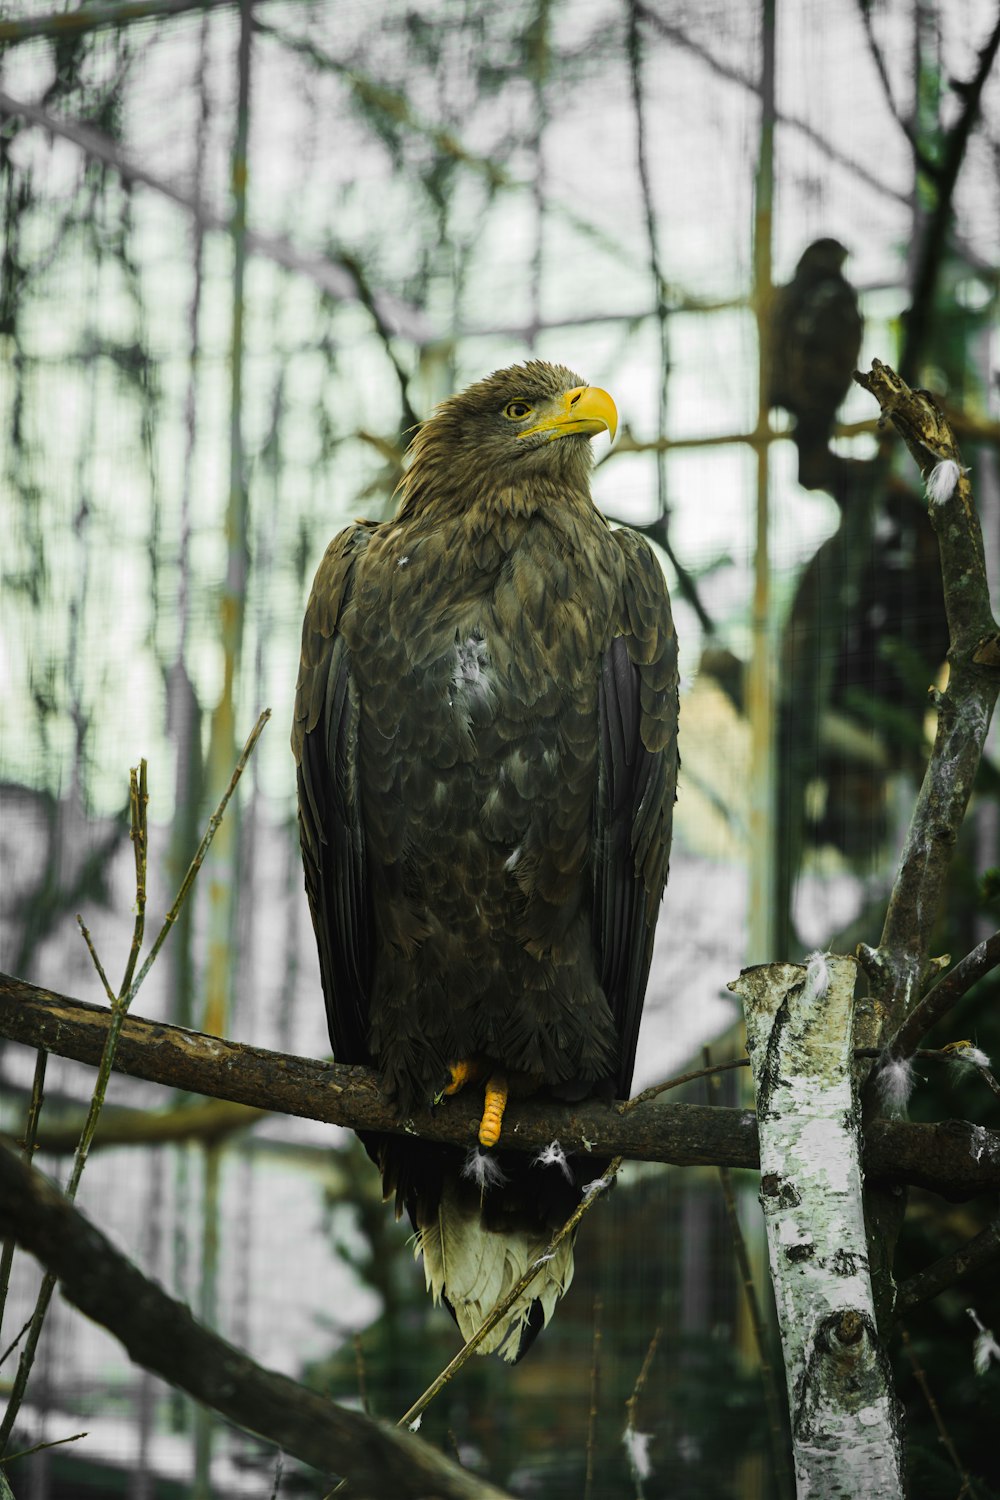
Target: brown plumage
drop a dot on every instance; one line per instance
(815, 341)
(485, 731)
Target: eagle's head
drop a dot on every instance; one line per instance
(519, 425)
(822, 258)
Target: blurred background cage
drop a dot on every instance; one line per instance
(245, 248)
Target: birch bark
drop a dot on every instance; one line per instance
(845, 1428)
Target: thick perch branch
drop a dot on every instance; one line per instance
(160, 1334)
(897, 967)
(952, 1157)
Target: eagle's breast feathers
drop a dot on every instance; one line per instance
(485, 731)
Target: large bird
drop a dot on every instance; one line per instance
(816, 332)
(486, 737)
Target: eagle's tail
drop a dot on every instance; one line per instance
(472, 1268)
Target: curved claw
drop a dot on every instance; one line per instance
(466, 1070)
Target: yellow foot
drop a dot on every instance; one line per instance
(463, 1072)
(496, 1103)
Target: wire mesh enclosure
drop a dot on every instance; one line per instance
(247, 247)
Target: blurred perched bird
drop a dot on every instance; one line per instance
(486, 738)
(815, 340)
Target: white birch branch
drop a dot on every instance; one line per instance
(845, 1429)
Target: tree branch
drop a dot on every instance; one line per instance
(940, 999)
(334, 278)
(896, 968)
(161, 1334)
(978, 1252)
(917, 320)
(951, 1157)
(68, 23)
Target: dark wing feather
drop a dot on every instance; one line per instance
(325, 746)
(637, 782)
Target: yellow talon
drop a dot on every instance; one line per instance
(496, 1103)
(462, 1072)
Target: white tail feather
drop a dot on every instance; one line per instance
(475, 1268)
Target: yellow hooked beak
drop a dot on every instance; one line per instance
(588, 409)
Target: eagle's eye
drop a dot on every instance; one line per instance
(517, 409)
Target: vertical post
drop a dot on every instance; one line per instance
(223, 886)
(761, 684)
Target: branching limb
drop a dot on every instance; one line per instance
(944, 995)
(897, 967)
(977, 1253)
(160, 1334)
(932, 249)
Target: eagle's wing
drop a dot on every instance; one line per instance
(325, 746)
(635, 795)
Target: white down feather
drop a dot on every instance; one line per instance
(475, 1268)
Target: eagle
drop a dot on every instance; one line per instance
(816, 332)
(485, 734)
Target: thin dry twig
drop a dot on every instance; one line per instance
(138, 802)
(14, 1343)
(773, 1403)
(596, 1189)
(634, 1441)
(95, 959)
(40, 1447)
(595, 1390)
(945, 994)
(673, 1083)
(67, 23)
(28, 1144)
(981, 1251)
(199, 858)
(359, 1365)
(935, 1411)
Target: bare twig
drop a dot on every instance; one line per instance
(920, 156)
(14, 1342)
(673, 1083)
(503, 1307)
(28, 1144)
(40, 1447)
(632, 1435)
(202, 850)
(95, 958)
(332, 278)
(977, 1253)
(932, 248)
(935, 1411)
(944, 995)
(139, 798)
(138, 801)
(359, 1365)
(595, 1396)
(677, 35)
(68, 23)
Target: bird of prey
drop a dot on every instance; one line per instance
(815, 340)
(486, 738)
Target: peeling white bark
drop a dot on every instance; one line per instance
(845, 1429)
